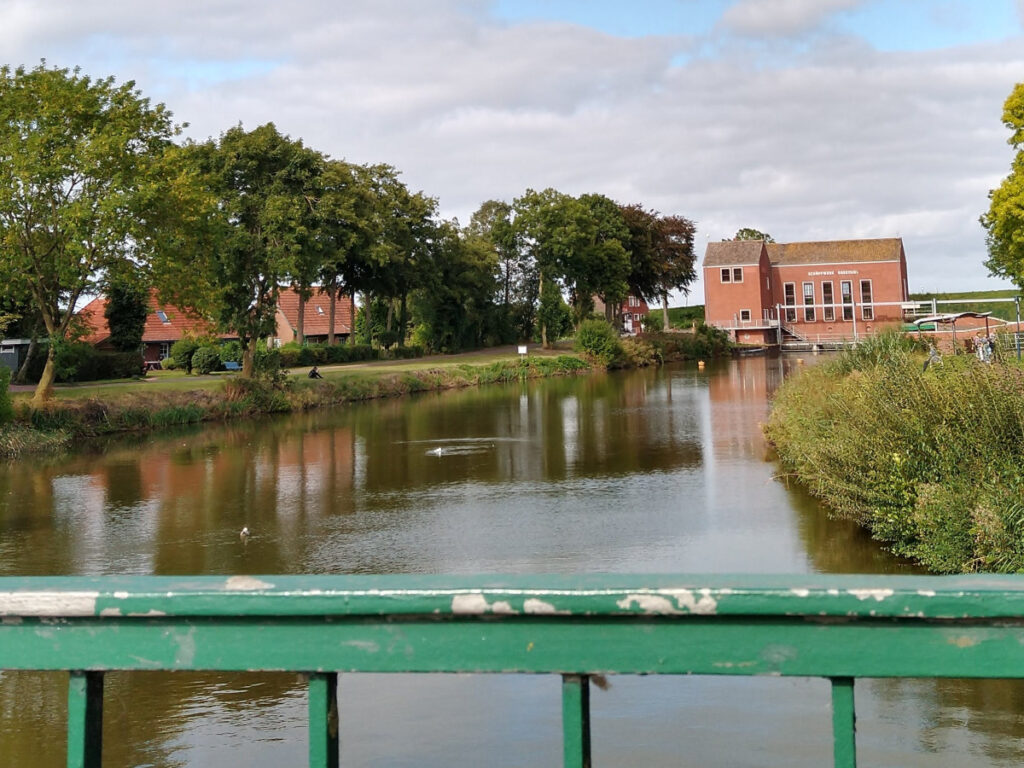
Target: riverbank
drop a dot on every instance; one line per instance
(93, 412)
(930, 459)
(165, 400)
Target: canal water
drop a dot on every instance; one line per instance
(647, 471)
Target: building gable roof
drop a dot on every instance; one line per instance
(317, 314)
(164, 322)
(733, 253)
(835, 251)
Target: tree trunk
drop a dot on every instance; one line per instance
(664, 311)
(44, 389)
(249, 358)
(609, 311)
(391, 314)
(331, 309)
(33, 349)
(403, 320)
(543, 321)
(300, 326)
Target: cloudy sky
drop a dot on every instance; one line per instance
(807, 119)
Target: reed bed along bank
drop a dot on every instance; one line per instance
(68, 421)
(930, 461)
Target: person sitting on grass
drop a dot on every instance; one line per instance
(314, 373)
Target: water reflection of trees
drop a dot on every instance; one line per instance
(150, 717)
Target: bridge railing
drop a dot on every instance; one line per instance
(835, 627)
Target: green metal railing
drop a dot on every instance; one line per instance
(835, 627)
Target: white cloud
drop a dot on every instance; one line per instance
(780, 18)
(837, 141)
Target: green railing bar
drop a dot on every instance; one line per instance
(85, 719)
(576, 721)
(844, 725)
(323, 720)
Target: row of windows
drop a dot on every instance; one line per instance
(828, 301)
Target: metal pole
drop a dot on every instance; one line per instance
(1016, 336)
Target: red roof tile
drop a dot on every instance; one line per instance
(164, 322)
(317, 312)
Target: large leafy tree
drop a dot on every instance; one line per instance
(454, 304)
(406, 229)
(661, 254)
(346, 231)
(79, 162)
(1004, 222)
(265, 186)
(126, 310)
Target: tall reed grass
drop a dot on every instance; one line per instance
(930, 461)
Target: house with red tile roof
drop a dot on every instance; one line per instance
(165, 324)
(316, 317)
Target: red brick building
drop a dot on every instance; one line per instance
(764, 293)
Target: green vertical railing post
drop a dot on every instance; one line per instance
(844, 725)
(85, 719)
(323, 720)
(576, 721)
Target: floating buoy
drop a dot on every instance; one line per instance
(700, 364)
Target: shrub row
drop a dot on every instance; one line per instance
(294, 355)
(931, 460)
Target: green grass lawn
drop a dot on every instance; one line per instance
(167, 381)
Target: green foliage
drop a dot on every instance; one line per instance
(182, 351)
(6, 408)
(267, 364)
(1004, 221)
(262, 183)
(230, 352)
(878, 350)
(685, 317)
(78, 362)
(598, 339)
(706, 343)
(748, 233)
(81, 161)
(127, 306)
(928, 460)
(206, 359)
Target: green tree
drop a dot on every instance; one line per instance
(747, 233)
(661, 255)
(80, 161)
(346, 232)
(126, 310)
(406, 227)
(1004, 222)
(264, 184)
(454, 305)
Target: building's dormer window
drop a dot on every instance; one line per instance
(319, 309)
(163, 317)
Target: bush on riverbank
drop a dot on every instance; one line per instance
(703, 344)
(931, 461)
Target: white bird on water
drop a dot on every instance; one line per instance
(244, 533)
(436, 452)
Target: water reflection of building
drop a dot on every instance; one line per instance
(738, 394)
